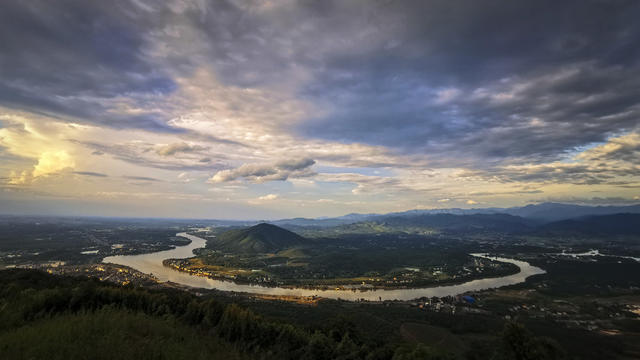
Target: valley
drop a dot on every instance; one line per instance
(417, 278)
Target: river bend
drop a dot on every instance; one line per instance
(152, 264)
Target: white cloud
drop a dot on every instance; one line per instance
(258, 173)
(172, 149)
(268, 197)
(19, 178)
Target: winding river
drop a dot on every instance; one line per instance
(152, 264)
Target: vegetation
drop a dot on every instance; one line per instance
(384, 260)
(261, 238)
(45, 317)
(173, 323)
(582, 308)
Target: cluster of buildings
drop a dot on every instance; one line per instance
(186, 266)
(449, 304)
(105, 272)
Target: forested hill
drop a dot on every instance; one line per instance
(261, 238)
(449, 222)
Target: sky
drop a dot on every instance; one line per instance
(260, 109)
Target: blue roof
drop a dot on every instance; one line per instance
(468, 299)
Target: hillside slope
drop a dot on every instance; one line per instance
(464, 223)
(617, 224)
(261, 238)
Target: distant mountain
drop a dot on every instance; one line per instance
(544, 212)
(324, 221)
(452, 222)
(452, 211)
(306, 222)
(261, 238)
(617, 224)
(355, 217)
(556, 211)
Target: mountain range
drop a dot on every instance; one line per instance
(538, 213)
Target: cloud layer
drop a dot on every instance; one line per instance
(331, 106)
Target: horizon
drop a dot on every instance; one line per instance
(266, 220)
(272, 110)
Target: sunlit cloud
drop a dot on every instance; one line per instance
(342, 108)
(51, 162)
(268, 197)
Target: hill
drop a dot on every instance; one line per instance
(50, 317)
(556, 211)
(461, 223)
(261, 238)
(617, 224)
(427, 224)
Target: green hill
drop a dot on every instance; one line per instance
(262, 238)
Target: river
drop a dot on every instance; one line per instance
(152, 264)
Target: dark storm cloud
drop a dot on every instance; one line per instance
(467, 83)
(487, 81)
(462, 81)
(72, 58)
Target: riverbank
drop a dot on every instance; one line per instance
(153, 264)
(361, 284)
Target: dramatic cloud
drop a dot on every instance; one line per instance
(258, 173)
(624, 148)
(52, 162)
(49, 163)
(534, 91)
(400, 104)
(80, 60)
(616, 162)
